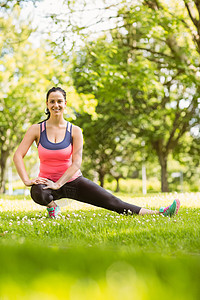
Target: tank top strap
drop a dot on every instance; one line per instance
(69, 127)
(42, 127)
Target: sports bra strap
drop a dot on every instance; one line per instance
(69, 127)
(42, 127)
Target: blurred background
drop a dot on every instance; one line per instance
(131, 71)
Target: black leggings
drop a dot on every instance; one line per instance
(84, 190)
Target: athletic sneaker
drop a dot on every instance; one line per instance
(170, 210)
(53, 212)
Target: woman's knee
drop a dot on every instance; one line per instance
(41, 196)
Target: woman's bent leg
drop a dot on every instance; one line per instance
(41, 196)
(89, 192)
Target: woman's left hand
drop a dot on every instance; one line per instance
(50, 185)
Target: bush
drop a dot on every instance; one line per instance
(134, 186)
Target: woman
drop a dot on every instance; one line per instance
(60, 147)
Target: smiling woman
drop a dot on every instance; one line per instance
(60, 147)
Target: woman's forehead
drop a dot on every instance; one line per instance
(56, 95)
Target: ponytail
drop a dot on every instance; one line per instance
(47, 112)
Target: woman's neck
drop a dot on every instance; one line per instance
(56, 121)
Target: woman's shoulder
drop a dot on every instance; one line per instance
(76, 130)
(34, 129)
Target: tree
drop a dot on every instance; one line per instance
(167, 100)
(109, 135)
(106, 148)
(26, 74)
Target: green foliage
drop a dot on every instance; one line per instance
(26, 73)
(144, 75)
(134, 186)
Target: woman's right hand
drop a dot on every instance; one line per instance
(38, 180)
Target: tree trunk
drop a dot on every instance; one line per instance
(101, 178)
(162, 156)
(163, 164)
(3, 159)
(117, 187)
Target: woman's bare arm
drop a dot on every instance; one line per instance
(31, 135)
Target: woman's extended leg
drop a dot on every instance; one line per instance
(84, 190)
(91, 193)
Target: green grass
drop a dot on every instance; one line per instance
(97, 254)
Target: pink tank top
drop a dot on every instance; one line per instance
(55, 158)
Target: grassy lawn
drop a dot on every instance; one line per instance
(91, 253)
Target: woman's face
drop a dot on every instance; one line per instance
(56, 103)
